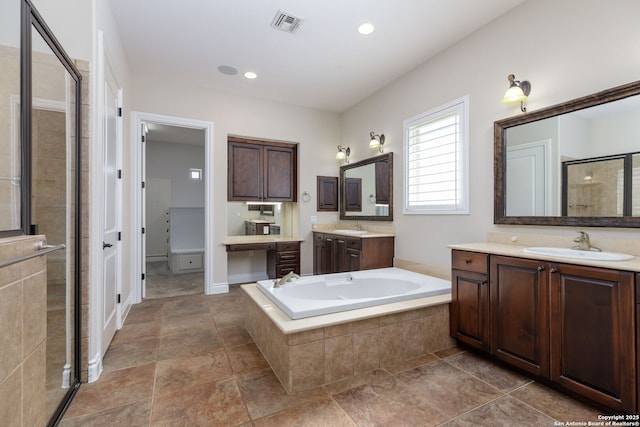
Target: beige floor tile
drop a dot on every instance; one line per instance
(505, 411)
(388, 402)
(264, 395)
(555, 404)
(175, 374)
(135, 414)
(113, 389)
(186, 323)
(189, 343)
(131, 353)
(211, 404)
(246, 358)
(318, 414)
(489, 372)
(448, 388)
(234, 335)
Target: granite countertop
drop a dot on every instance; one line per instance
(517, 251)
(267, 238)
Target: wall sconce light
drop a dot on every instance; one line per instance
(518, 92)
(377, 141)
(343, 153)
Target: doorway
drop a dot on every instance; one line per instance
(162, 139)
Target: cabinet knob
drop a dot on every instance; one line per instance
(553, 270)
(541, 268)
(467, 261)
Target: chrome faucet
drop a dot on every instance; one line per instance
(584, 244)
(359, 226)
(284, 280)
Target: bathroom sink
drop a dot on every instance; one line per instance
(352, 232)
(576, 254)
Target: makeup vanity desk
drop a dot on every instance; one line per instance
(283, 252)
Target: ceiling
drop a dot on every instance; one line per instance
(326, 64)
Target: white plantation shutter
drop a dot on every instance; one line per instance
(436, 165)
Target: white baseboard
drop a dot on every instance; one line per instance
(94, 369)
(216, 288)
(156, 258)
(246, 278)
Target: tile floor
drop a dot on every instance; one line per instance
(188, 361)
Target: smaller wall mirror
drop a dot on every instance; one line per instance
(366, 189)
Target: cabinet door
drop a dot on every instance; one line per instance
(469, 318)
(280, 179)
(353, 194)
(244, 181)
(519, 313)
(341, 261)
(329, 254)
(382, 182)
(318, 253)
(592, 334)
(352, 260)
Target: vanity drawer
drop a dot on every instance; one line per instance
(470, 261)
(287, 246)
(353, 243)
(288, 257)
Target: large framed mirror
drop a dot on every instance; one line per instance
(366, 189)
(572, 164)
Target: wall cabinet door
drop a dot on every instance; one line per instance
(520, 314)
(592, 334)
(244, 181)
(261, 172)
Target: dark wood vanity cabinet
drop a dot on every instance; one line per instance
(592, 334)
(519, 291)
(284, 259)
(336, 253)
(470, 299)
(572, 325)
(261, 172)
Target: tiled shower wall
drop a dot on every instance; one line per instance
(23, 331)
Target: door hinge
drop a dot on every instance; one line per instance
(119, 298)
(119, 173)
(143, 230)
(119, 111)
(143, 185)
(144, 138)
(143, 276)
(119, 235)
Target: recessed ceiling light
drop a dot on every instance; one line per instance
(250, 75)
(228, 70)
(366, 29)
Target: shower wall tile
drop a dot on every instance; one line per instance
(23, 329)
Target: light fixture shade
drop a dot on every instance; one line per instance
(340, 155)
(514, 94)
(374, 144)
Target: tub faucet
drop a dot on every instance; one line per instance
(584, 244)
(284, 280)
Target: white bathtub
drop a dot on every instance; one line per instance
(330, 293)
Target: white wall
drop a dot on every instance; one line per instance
(173, 161)
(566, 49)
(317, 132)
(75, 38)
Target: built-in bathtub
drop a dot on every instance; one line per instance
(309, 352)
(331, 293)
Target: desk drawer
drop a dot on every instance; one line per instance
(288, 257)
(287, 246)
(470, 261)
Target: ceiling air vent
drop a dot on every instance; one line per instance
(284, 21)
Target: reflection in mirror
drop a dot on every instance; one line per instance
(531, 150)
(53, 208)
(10, 149)
(367, 189)
(245, 218)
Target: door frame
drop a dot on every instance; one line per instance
(138, 156)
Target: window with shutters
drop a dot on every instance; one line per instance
(436, 160)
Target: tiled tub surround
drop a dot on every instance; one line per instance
(23, 334)
(310, 352)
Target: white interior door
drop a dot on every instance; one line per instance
(111, 209)
(158, 201)
(527, 178)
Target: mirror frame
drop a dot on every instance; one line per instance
(499, 131)
(371, 160)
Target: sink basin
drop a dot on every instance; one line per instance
(576, 254)
(352, 232)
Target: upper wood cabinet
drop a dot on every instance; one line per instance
(382, 182)
(260, 171)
